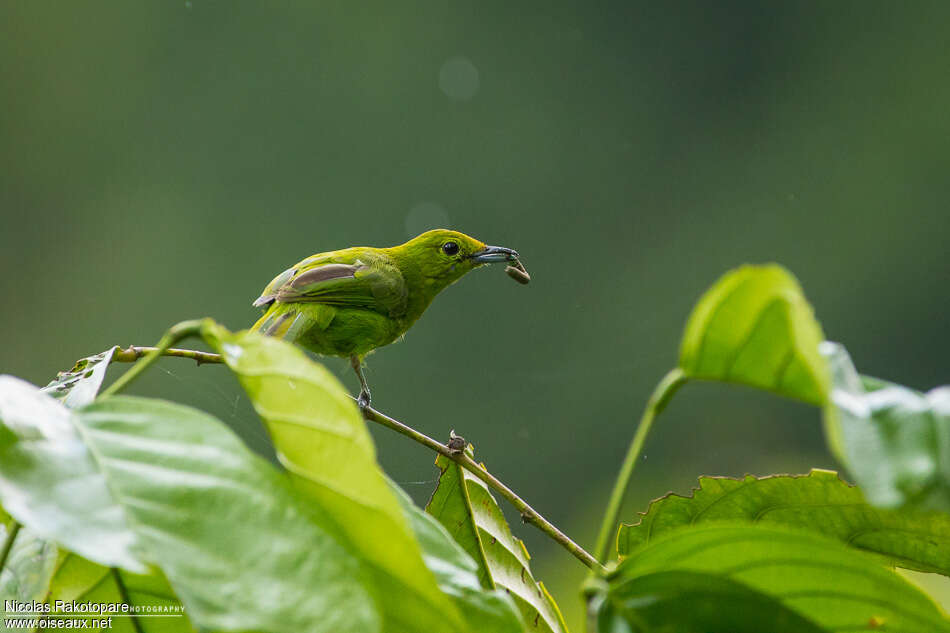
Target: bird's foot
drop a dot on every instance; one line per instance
(456, 443)
(364, 399)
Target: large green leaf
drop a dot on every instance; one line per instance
(51, 481)
(26, 573)
(79, 386)
(37, 571)
(755, 327)
(819, 501)
(692, 602)
(484, 610)
(894, 441)
(30, 566)
(465, 507)
(153, 606)
(822, 580)
(132, 482)
(321, 439)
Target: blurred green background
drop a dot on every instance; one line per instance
(163, 161)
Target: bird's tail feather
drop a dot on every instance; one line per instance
(285, 325)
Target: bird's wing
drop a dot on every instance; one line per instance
(357, 278)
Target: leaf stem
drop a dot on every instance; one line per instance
(12, 531)
(528, 514)
(173, 335)
(668, 386)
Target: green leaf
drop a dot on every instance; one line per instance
(755, 327)
(26, 573)
(51, 482)
(79, 386)
(37, 571)
(894, 441)
(690, 602)
(819, 501)
(322, 441)
(133, 482)
(464, 506)
(149, 597)
(457, 575)
(834, 586)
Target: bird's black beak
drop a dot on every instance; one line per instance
(494, 254)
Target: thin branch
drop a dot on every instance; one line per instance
(134, 352)
(175, 333)
(528, 514)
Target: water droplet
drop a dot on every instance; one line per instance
(458, 78)
(424, 217)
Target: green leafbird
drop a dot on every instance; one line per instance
(349, 302)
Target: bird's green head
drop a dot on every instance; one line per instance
(441, 257)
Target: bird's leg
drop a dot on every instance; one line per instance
(363, 400)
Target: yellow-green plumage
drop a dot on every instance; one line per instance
(351, 301)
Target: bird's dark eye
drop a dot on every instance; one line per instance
(450, 248)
